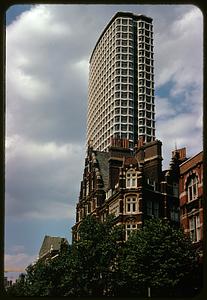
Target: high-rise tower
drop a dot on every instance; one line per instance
(121, 83)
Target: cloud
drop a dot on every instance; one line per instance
(178, 51)
(42, 180)
(47, 77)
(18, 262)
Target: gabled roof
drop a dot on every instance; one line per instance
(102, 158)
(130, 161)
(51, 243)
(191, 162)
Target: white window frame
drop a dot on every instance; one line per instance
(195, 228)
(192, 188)
(129, 228)
(131, 205)
(131, 179)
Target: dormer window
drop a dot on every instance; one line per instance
(192, 188)
(131, 179)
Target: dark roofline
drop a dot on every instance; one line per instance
(192, 157)
(120, 14)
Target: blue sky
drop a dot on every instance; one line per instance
(14, 11)
(47, 60)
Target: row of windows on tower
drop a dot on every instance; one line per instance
(123, 28)
(107, 103)
(128, 103)
(124, 57)
(104, 124)
(120, 42)
(140, 23)
(107, 120)
(100, 91)
(107, 51)
(143, 64)
(148, 131)
(123, 127)
(108, 54)
(108, 108)
(147, 61)
(145, 32)
(103, 75)
(108, 83)
(107, 37)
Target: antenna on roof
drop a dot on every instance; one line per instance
(175, 145)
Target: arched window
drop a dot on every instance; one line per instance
(131, 179)
(192, 188)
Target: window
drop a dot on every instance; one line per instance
(131, 179)
(87, 188)
(89, 208)
(174, 214)
(193, 188)
(175, 189)
(131, 205)
(129, 229)
(149, 207)
(156, 209)
(195, 230)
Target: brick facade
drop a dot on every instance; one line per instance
(191, 198)
(129, 184)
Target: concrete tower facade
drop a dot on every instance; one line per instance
(121, 83)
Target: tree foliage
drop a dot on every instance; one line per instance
(101, 263)
(160, 257)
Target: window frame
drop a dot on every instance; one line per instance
(131, 204)
(131, 179)
(195, 228)
(192, 188)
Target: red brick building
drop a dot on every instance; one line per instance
(129, 184)
(191, 197)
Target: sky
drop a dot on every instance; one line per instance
(47, 65)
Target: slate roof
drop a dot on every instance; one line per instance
(51, 243)
(102, 158)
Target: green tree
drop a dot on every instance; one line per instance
(95, 255)
(160, 257)
(101, 263)
(87, 267)
(18, 288)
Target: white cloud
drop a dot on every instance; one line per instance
(164, 108)
(54, 210)
(178, 51)
(42, 180)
